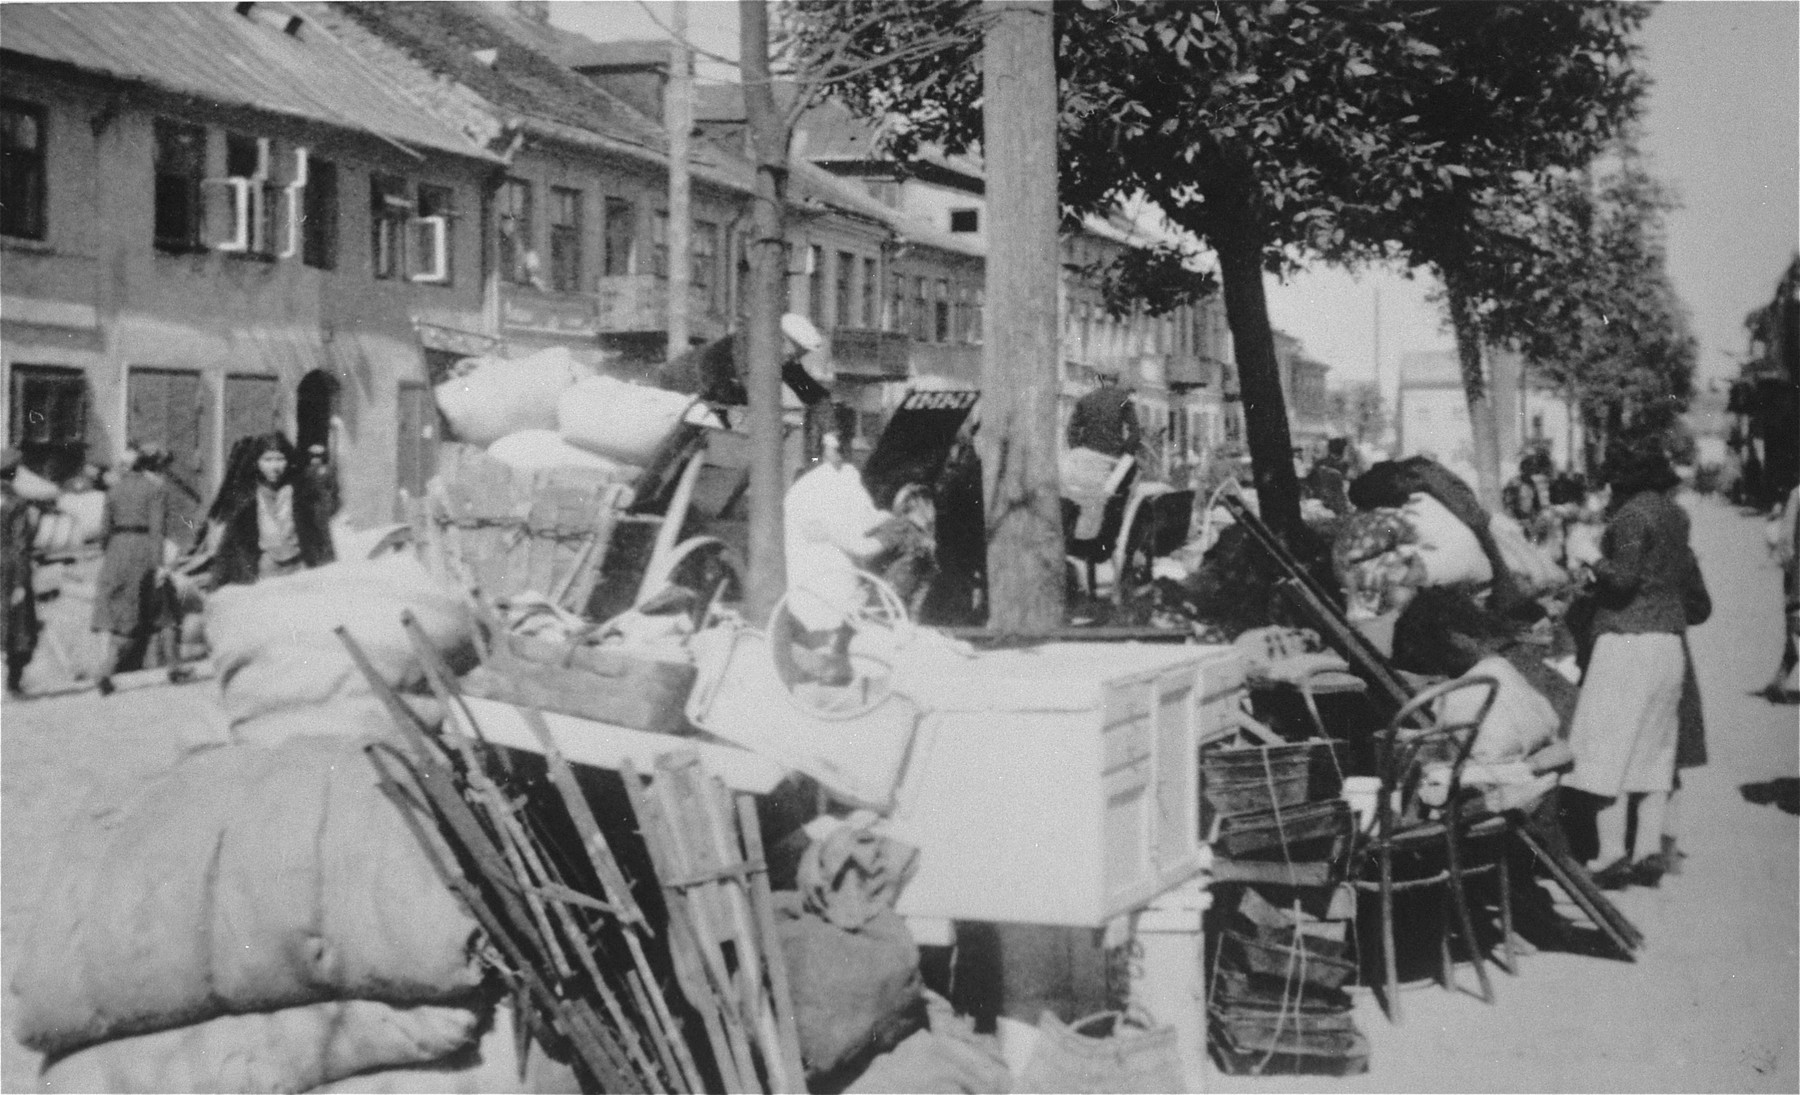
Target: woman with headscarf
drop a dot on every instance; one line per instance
(269, 523)
(136, 522)
(1648, 592)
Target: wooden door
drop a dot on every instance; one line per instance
(252, 406)
(173, 408)
(415, 442)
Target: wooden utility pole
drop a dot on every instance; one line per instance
(1020, 362)
(678, 119)
(762, 314)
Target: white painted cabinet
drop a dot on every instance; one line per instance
(1059, 784)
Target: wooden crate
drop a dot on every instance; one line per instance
(500, 532)
(640, 689)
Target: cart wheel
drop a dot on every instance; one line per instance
(879, 627)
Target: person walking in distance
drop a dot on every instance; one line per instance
(1105, 420)
(1648, 591)
(137, 523)
(18, 531)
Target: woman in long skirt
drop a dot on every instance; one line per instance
(127, 595)
(1649, 591)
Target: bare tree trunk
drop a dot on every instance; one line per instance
(1020, 361)
(1259, 380)
(762, 315)
(678, 119)
(1483, 424)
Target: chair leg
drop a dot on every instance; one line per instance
(1391, 966)
(1446, 961)
(1506, 913)
(1464, 919)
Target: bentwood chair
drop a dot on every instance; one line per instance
(1422, 838)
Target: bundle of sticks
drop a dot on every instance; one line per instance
(579, 953)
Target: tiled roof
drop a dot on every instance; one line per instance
(446, 37)
(496, 57)
(209, 51)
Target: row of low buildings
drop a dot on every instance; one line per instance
(224, 218)
(1432, 413)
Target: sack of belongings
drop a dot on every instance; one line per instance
(294, 1049)
(273, 641)
(852, 963)
(620, 421)
(353, 717)
(540, 450)
(243, 879)
(491, 397)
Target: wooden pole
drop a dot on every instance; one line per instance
(762, 315)
(678, 119)
(1020, 363)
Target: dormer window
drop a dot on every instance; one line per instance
(965, 220)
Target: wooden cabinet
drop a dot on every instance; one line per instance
(1059, 784)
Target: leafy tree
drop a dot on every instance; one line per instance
(1275, 132)
(1590, 304)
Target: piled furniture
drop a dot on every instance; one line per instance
(1428, 837)
(1280, 836)
(1388, 688)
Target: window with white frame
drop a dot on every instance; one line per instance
(432, 235)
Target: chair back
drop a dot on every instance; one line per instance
(1416, 736)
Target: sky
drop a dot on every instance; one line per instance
(1722, 128)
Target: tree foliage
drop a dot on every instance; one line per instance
(1279, 133)
(1590, 304)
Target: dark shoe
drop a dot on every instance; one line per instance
(104, 686)
(1649, 870)
(1615, 875)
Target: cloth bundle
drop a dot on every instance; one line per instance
(294, 1049)
(244, 879)
(619, 421)
(540, 450)
(494, 396)
(274, 646)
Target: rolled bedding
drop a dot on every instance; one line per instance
(244, 879)
(274, 645)
(293, 1049)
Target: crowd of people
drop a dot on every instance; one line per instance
(271, 516)
(1436, 579)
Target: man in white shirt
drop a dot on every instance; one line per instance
(830, 519)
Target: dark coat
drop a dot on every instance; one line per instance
(19, 629)
(1105, 421)
(1648, 580)
(239, 552)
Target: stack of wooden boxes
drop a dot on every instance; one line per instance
(1282, 956)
